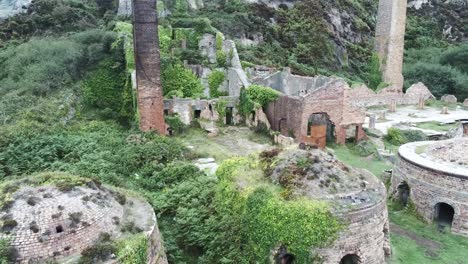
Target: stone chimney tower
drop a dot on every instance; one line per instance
(390, 39)
(148, 68)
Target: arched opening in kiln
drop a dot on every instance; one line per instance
(320, 129)
(350, 259)
(403, 194)
(444, 215)
(283, 257)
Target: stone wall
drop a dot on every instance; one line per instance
(333, 99)
(366, 235)
(294, 85)
(185, 108)
(156, 253)
(430, 183)
(361, 96)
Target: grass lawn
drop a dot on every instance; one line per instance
(231, 142)
(436, 126)
(347, 156)
(453, 250)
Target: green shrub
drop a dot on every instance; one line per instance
(375, 75)
(215, 80)
(457, 57)
(440, 79)
(105, 88)
(132, 250)
(399, 137)
(49, 17)
(178, 78)
(256, 96)
(365, 148)
(177, 126)
(7, 252)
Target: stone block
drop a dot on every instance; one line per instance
(449, 99)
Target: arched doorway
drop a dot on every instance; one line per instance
(444, 215)
(403, 194)
(320, 129)
(350, 259)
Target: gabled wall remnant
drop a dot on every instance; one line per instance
(390, 39)
(147, 62)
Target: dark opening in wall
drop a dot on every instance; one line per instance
(403, 193)
(197, 114)
(252, 116)
(229, 115)
(166, 111)
(350, 259)
(59, 229)
(444, 215)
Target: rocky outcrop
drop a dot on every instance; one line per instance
(12, 7)
(451, 15)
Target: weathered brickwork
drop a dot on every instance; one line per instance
(147, 62)
(367, 236)
(53, 225)
(389, 40)
(431, 183)
(331, 99)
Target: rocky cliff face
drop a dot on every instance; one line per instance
(451, 15)
(12, 7)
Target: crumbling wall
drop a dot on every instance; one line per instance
(294, 85)
(362, 96)
(185, 108)
(285, 115)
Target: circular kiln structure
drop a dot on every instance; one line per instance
(434, 177)
(356, 196)
(59, 221)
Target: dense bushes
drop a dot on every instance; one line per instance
(399, 137)
(215, 80)
(181, 82)
(442, 70)
(256, 96)
(259, 219)
(97, 148)
(49, 67)
(49, 17)
(105, 89)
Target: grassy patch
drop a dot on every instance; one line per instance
(454, 248)
(347, 156)
(436, 126)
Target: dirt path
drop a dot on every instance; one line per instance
(432, 247)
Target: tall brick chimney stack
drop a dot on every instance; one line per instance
(148, 68)
(390, 40)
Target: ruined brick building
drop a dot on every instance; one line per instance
(434, 177)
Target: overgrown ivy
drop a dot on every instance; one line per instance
(215, 80)
(254, 97)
